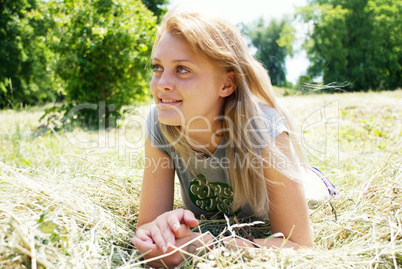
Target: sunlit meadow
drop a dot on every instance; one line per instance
(69, 199)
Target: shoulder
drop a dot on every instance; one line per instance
(274, 121)
(270, 112)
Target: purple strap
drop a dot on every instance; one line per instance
(327, 182)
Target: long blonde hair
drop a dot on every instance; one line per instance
(221, 42)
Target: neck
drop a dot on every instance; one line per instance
(205, 136)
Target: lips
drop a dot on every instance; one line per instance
(168, 101)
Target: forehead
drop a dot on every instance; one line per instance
(171, 46)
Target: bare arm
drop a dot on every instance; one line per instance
(158, 225)
(157, 190)
(157, 194)
(288, 210)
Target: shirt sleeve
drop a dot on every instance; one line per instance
(274, 122)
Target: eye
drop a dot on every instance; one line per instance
(157, 68)
(182, 70)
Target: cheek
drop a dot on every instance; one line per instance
(153, 85)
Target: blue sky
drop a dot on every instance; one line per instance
(246, 11)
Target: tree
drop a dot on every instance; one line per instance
(356, 41)
(102, 49)
(158, 7)
(273, 43)
(24, 57)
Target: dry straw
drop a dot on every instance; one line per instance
(67, 207)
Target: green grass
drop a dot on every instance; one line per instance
(70, 199)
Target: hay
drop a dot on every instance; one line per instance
(64, 206)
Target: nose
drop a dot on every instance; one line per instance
(166, 81)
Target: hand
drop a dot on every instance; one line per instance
(167, 227)
(173, 259)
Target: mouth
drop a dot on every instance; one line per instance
(163, 101)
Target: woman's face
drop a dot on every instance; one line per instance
(187, 88)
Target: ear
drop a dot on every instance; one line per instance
(229, 85)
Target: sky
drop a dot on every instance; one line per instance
(246, 11)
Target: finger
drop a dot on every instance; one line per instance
(189, 219)
(144, 246)
(165, 224)
(149, 251)
(184, 231)
(162, 237)
(174, 223)
(144, 235)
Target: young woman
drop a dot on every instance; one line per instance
(217, 125)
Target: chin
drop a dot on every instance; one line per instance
(169, 122)
(169, 118)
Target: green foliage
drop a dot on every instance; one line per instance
(273, 42)
(24, 72)
(158, 7)
(102, 49)
(357, 41)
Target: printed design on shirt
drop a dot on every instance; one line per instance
(211, 196)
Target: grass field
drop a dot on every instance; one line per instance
(70, 199)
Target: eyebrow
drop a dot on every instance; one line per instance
(176, 61)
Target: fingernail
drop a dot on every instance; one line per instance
(176, 226)
(164, 249)
(149, 241)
